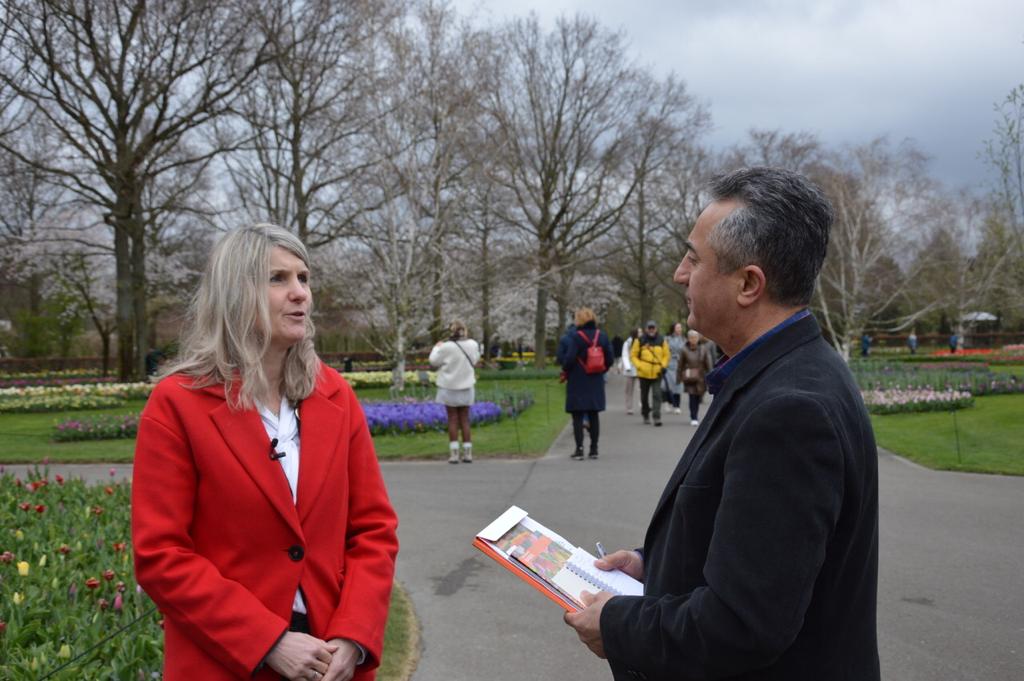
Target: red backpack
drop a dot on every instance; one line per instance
(594, 363)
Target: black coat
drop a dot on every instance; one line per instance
(761, 558)
(584, 392)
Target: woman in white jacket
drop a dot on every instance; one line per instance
(628, 370)
(455, 360)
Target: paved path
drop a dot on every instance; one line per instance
(951, 583)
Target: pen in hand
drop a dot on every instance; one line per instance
(601, 553)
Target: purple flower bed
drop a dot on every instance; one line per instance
(97, 428)
(51, 381)
(417, 417)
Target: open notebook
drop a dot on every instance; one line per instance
(547, 562)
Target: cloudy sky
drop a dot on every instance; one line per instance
(847, 70)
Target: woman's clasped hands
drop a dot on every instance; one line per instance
(301, 657)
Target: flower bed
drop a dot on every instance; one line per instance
(66, 583)
(411, 416)
(53, 381)
(962, 376)
(380, 379)
(900, 401)
(70, 397)
(391, 418)
(48, 403)
(97, 428)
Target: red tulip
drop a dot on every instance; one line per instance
(6, 557)
(103, 603)
(109, 490)
(119, 546)
(40, 508)
(24, 506)
(17, 481)
(64, 549)
(108, 575)
(59, 479)
(121, 587)
(92, 583)
(97, 510)
(3, 626)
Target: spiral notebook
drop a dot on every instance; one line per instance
(548, 562)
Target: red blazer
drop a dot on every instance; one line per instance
(221, 548)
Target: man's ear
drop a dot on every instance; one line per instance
(752, 285)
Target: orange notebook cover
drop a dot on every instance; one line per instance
(547, 562)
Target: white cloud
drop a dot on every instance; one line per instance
(848, 71)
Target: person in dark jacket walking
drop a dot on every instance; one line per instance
(584, 394)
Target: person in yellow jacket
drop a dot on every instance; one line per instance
(650, 356)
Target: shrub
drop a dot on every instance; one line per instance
(897, 401)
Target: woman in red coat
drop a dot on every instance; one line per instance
(269, 554)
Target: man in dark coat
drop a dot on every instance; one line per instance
(761, 558)
(584, 392)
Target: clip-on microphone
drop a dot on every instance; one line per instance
(274, 454)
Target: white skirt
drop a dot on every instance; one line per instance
(456, 398)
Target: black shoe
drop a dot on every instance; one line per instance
(593, 454)
(647, 421)
(578, 454)
(657, 423)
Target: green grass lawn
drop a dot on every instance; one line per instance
(401, 639)
(27, 436)
(991, 436)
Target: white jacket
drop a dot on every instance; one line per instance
(454, 370)
(627, 366)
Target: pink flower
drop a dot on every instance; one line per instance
(113, 472)
(118, 603)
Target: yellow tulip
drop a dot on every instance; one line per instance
(19, 535)
(17, 598)
(34, 664)
(64, 652)
(23, 568)
(42, 561)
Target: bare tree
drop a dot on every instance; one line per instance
(126, 86)
(879, 195)
(560, 105)
(422, 120)
(665, 162)
(307, 117)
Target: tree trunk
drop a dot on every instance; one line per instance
(139, 299)
(125, 351)
(485, 297)
(105, 341)
(540, 326)
(398, 357)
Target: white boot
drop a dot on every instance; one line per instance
(453, 452)
(467, 452)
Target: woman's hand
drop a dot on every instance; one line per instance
(343, 664)
(301, 657)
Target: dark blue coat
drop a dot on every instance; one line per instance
(584, 392)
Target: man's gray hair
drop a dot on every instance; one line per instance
(781, 225)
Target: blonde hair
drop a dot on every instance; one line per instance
(584, 315)
(457, 329)
(229, 321)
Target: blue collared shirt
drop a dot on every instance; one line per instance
(726, 365)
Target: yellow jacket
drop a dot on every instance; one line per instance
(649, 360)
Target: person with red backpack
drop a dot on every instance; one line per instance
(585, 354)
